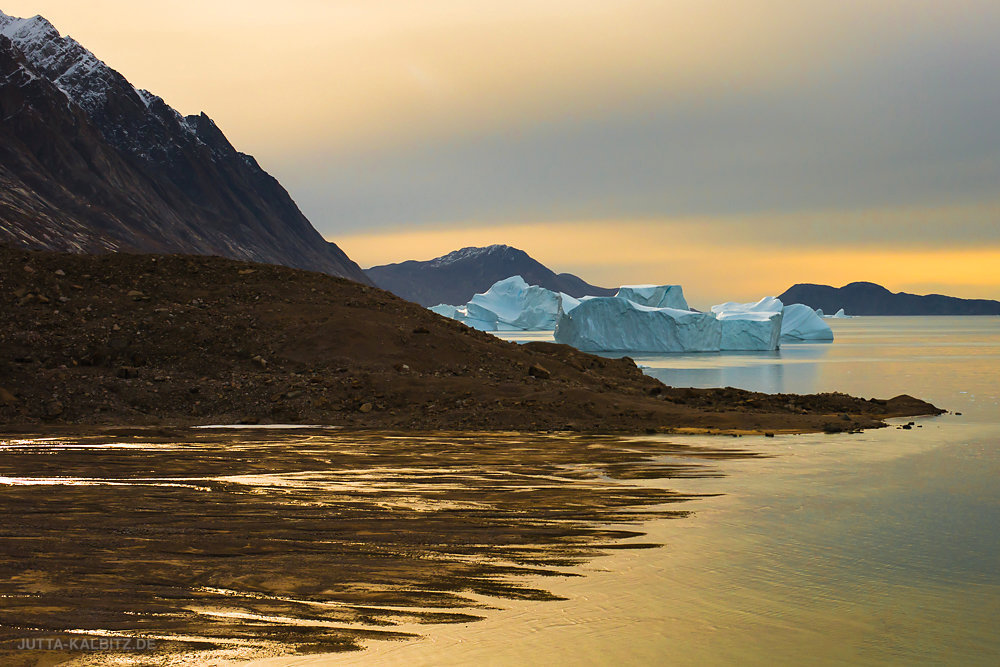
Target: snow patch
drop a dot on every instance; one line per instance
(470, 252)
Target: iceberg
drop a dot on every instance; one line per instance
(802, 323)
(615, 324)
(768, 304)
(511, 305)
(484, 322)
(750, 326)
(568, 303)
(750, 331)
(445, 310)
(515, 303)
(639, 318)
(654, 296)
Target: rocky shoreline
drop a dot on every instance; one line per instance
(177, 340)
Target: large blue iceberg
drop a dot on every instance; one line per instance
(639, 318)
(617, 324)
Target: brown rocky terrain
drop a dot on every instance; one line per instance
(123, 339)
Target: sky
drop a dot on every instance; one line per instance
(735, 147)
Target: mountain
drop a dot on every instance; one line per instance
(455, 277)
(872, 299)
(88, 163)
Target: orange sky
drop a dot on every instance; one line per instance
(608, 254)
(733, 146)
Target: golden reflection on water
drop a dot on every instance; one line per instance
(240, 545)
(767, 572)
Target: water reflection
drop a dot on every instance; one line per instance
(872, 548)
(950, 361)
(246, 544)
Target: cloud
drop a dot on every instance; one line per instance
(781, 108)
(773, 126)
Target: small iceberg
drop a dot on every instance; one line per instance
(801, 323)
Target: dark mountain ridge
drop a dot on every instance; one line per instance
(454, 278)
(88, 163)
(864, 298)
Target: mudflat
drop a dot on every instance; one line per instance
(197, 545)
(123, 339)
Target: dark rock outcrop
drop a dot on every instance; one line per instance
(871, 299)
(454, 278)
(88, 163)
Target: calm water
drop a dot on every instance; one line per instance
(874, 548)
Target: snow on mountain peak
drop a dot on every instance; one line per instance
(471, 252)
(73, 69)
(32, 29)
(146, 96)
(89, 83)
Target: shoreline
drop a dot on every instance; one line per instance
(178, 340)
(166, 430)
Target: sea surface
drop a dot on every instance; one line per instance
(874, 548)
(881, 547)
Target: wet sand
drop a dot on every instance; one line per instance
(222, 545)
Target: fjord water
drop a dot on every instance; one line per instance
(871, 548)
(874, 548)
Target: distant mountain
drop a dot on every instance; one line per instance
(455, 277)
(88, 163)
(872, 299)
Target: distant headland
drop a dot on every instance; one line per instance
(870, 299)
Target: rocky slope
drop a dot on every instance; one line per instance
(455, 277)
(88, 163)
(871, 299)
(142, 339)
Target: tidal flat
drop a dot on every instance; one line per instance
(208, 545)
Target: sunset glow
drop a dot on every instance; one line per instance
(626, 142)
